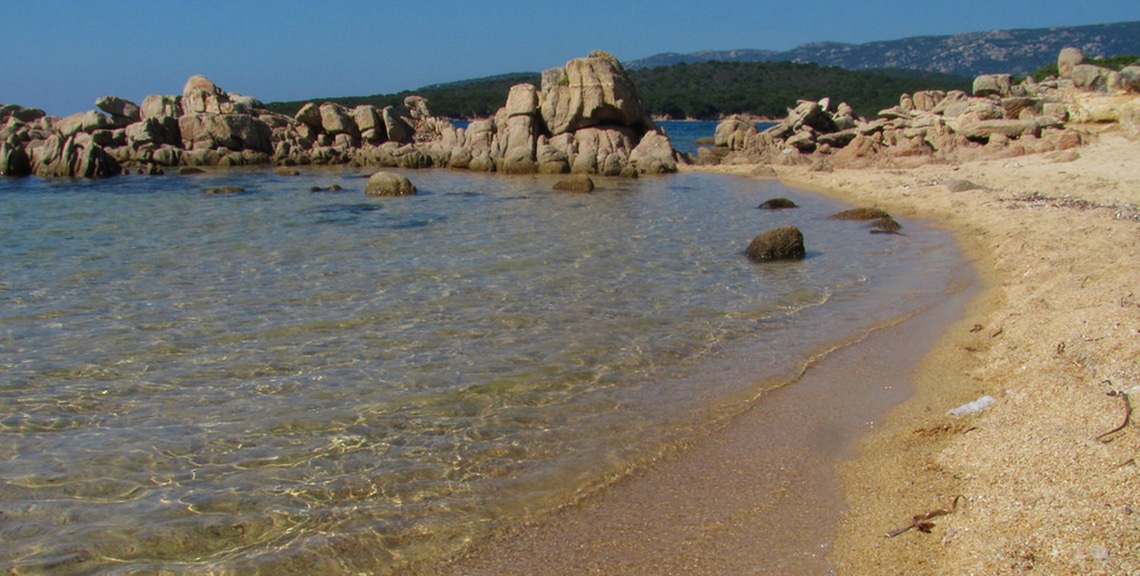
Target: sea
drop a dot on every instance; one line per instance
(289, 381)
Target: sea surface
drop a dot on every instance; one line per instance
(282, 381)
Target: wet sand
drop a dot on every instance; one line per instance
(759, 494)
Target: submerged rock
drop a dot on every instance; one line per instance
(885, 225)
(575, 183)
(860, 214)
(225, 190)
(777, 204)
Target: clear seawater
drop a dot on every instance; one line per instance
(686, 134)
(283, 381)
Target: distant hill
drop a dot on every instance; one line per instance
(868, 76)
(1018, 52)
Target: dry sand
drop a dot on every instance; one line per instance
(1055, 330)
(1028, 484)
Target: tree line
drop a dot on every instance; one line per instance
(703, 91)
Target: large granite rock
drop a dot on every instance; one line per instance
(1068, 59)
(19, 113)
(654, 155)
(14, 160)
(122, 111)
(72, 156)
(993, 85)
(588, 92)
(336, 119)
(230, 131)
(1095, 78)
(157, 106)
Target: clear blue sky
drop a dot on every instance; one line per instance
(61, 55)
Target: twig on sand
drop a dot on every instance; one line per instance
(920, 521)
(1127, 416)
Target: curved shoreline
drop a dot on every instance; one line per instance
(765, 476)
(710, 509)
(1053, 326)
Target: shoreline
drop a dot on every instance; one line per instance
(1050, 327)
(705, 509)
(702, 508)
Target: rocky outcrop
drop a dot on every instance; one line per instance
(590, 92)
(588, 119)
(999, 119)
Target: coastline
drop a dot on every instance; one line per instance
(756, 494)
(1051, 327)
(1054, 330)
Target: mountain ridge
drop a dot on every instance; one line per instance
(1015, 51)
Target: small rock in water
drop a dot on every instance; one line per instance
(885, 225)
(786, 243)
(226, 190)
(860, 214)
(576, 183)
(777, 204)
(389, 184)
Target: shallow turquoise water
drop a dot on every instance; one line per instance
(286, 381)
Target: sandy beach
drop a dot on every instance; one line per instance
(1035, 482)
(1053, 337)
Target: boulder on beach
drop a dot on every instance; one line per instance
(784, 243)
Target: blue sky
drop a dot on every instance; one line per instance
(62, 55)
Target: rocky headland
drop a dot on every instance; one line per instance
(1000, 119)
(586, 118)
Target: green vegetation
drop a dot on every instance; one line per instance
(706, 90)
(1112, 62)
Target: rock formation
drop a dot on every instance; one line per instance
(999, 119)
(587, 119)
